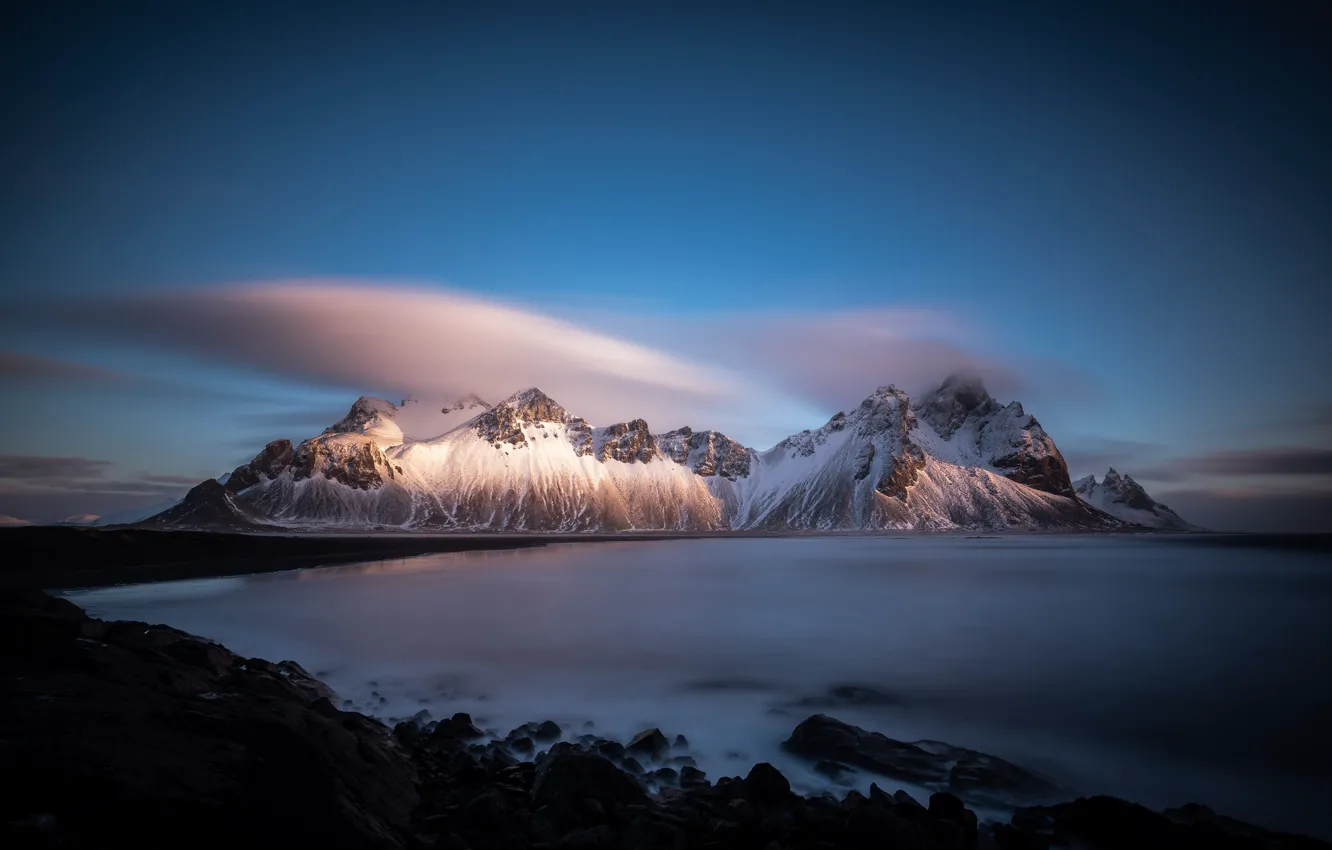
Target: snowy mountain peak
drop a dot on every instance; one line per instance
(373, 417)
(1122, 497)
(532, 405)
(363, 412)
(957, 459)
(957, 401)
(504, 422)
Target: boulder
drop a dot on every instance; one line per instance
(649, 743)
(766, 785)
(970, 774)
(565, 775)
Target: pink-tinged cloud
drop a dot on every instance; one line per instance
(401, 340)
(759, 376)
(835, 359)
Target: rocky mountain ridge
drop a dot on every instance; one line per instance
(1122, 497)
(957, 459)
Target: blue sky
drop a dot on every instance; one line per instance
(1122, 212)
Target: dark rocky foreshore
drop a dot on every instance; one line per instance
(122, 734)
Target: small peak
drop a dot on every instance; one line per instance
(369, 402)
(527, 396)
(529, 405)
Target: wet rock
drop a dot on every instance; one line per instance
(765, 784)
(548, 731)
(632, 765)
(459, 727)
(973, 775)
(565, 775)
(522, 745)
(680, 741)
(649, 743)
(692, 776)
(665, 776)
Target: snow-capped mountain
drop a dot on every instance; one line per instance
(958, 459)
(1122, 497)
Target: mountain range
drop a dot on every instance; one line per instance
(954, 459)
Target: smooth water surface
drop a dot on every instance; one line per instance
(1159, 671)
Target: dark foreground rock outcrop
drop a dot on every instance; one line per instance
(975, 776)
(129, 734)
(123, 734)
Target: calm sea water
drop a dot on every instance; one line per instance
(1159, 671)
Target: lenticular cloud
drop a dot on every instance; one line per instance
(415, 340)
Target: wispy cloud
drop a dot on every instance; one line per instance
(1242, 463)
(186, 480)
(707, 370)
(31, 367)
(401, 339)
(28, 466)
(36, 475)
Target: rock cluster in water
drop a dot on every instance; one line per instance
(130, 734)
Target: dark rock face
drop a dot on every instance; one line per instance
(864, 461)
(127, 734)
(707, 453)
(1041, 469)
(628, 442)
(903, 472)
(267, 465)
(580, 436)
(971, 775)
(355, 462)
(958, 399)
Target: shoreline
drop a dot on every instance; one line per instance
(130, 732)
(64, 558)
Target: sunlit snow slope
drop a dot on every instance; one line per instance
(958, 460)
